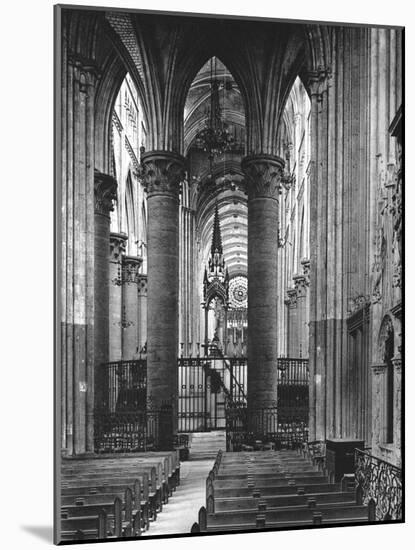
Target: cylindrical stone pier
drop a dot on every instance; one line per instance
(163, 173)
(264, 175)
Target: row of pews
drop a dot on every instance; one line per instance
(113, 497)
(277, 490)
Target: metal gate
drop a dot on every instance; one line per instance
(207, 387)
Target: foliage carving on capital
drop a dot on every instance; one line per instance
(291, 299)
(105, 190)
(306, 270)
(130, 269)
(265, 174)
(300, 283)
(163, 173)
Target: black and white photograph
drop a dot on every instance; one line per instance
(229, 247)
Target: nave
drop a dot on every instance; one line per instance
(231, 260)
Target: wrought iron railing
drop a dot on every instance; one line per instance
(286, 424)
(379, 483)
(121, 386)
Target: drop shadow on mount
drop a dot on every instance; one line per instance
(43, 532)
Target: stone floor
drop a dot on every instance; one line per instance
(182, 509)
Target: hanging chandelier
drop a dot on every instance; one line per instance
(215, 138)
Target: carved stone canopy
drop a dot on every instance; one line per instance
(264, 175)
(105, 188)
(163, 172)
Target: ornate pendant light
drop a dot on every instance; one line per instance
(215, 137)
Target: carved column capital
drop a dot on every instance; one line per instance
(86, 71)
(142, 285)
(291, 300)
(306, 269)
(300, 284)
(105, 188)
(265, 175)
(130, 268)
(163, 173)
(318, 82)
(378, 369)
(118, 243)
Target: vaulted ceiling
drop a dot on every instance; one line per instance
(224, 183)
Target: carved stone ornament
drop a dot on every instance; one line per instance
(142, 285)
(358, 303)
(306, 269)
(118, 243)
(378, 369)
(318, 82)
(163, 171)
(105, 187)
(264, 174)
(385, 332)
(291, 300)
(130, 267)
(300, 283)
(86, 71)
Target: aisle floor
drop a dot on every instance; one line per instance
(182, 509)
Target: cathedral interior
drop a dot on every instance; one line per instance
(231, 273)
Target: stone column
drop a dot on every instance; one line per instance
(142, 311)
(105, 192)
(264, 174)
(291, 303)
(117, 250)
(79, 80)
(129, 318)
(163, 173)
(300, 283)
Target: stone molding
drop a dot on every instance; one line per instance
(130, 267)
(163, 172)
(265, 175)
(105, 188)
(118, 244)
